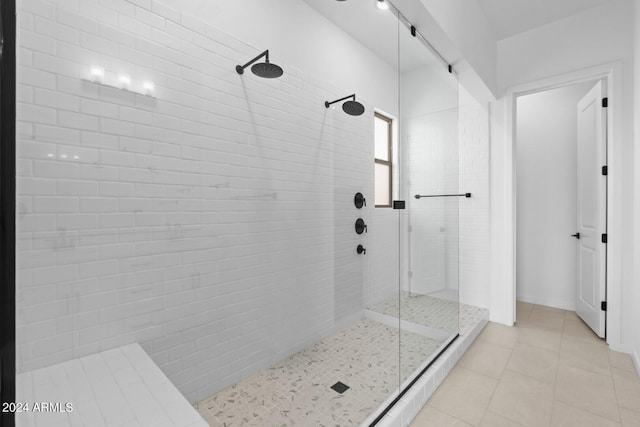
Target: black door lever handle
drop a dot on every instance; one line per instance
(577, 235)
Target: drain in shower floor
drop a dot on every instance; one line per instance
(340, 387)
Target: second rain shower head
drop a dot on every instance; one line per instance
(352, 107)
(264, 69)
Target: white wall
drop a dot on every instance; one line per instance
(429, 136)
(297, 34)
(313, 50)
(546, 162)
(448, 242)
(468, 29)
(636, 156)
(595, 36)
(474, 215)
(587, 39)
(212, 224)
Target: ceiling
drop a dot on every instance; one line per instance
(378, 30)
(511, 17)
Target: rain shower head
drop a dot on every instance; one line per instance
(352, 107)
(264, 69)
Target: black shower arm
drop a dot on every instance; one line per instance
(327, 103)
(265, 54)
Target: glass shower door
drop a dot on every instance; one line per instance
(428, 295)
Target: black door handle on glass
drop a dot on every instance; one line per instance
(577, 235)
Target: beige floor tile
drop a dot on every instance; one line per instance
(464, 394)
(587, 390)
(492, 419)
(576, 328)
(432, 417)
(571, 315)
(626, 374)
(503, 335)
(523, 399)
(486, 358)
(630, 418)
(593, 385)
(538, 309)
(540, 338)
(627, 390)
(523, 309)
(622, 361)
(564, 415)
(589, 355)
(544, 319)
(535, 362)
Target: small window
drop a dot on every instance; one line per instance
(383, 144)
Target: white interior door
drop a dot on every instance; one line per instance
(591, 286)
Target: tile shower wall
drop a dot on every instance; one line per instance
(423, 132)
(204, 223)
(473, 131)
(430, 139)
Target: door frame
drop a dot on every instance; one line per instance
(7, 211)
(611, 74)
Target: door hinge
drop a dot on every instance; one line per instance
(604, 238)
(605, 170)
(605, 102)
(603, 305)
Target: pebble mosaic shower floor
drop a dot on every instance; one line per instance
(297, 391)
(422, 310)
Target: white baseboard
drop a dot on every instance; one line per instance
(548, 302)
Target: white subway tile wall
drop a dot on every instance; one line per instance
(473, 130)
(212, 224)
(432, 169)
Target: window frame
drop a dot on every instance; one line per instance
(389, 162)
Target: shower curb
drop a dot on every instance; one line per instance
(405, 410)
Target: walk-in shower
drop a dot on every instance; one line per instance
(226, 233)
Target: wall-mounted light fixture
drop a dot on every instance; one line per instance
(97, 74)
(382, 5)
(148, 88)
(124, 82)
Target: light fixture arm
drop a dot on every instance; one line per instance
(240, 68)
(327, 103)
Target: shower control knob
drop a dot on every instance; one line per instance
(359, 200)
(361, 227)
(361, 250)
